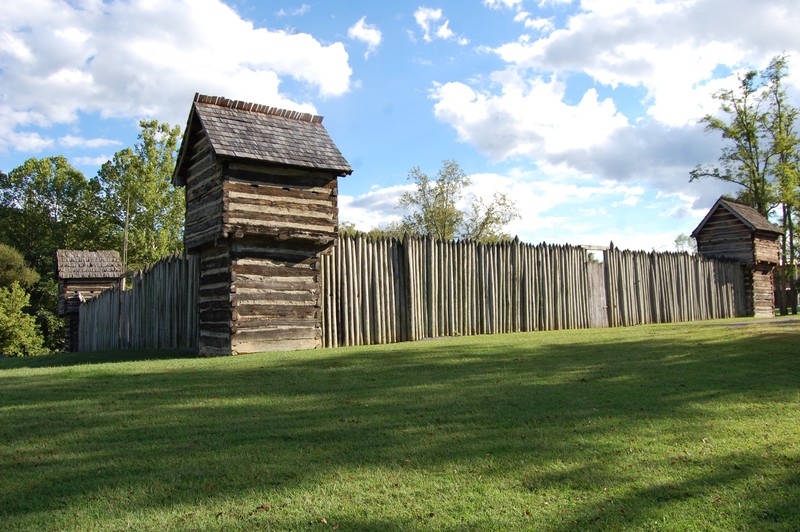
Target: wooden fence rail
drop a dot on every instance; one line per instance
(377, 291)
(158, 312)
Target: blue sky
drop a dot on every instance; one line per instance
(585, 112)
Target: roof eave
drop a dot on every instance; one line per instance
(179, 174)
(710, 213)
(339, 171)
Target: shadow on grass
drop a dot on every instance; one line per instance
(545, 419)
(59, 360)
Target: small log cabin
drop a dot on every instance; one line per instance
(735, 231)
(261, 205)
(82, 275)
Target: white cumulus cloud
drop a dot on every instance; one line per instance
(369, 34)
(170, 50)
(433, 25)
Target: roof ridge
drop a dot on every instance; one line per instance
(258, 108)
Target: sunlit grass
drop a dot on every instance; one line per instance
(681, 427)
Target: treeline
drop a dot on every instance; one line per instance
(46, 204)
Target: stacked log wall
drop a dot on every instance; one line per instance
(275, 298)
(72, 291)
(279, 203)
(723, 235)
(763, 292)
(214, 300)
(259, 284)
(203, 196)
(767, 249)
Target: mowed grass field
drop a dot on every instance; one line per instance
(676, 427)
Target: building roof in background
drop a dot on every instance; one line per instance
(258, 132)
(79, 264)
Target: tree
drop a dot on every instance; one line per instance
(781, 120)
(434, 207)
(46, 204)
(19, 334)
(762, 151)
(685, 243)
(395, 229)
(486, 222)
(433, 203)
(143, 207)
(14, 270)
(746, 159)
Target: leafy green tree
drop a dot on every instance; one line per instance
(46, 204)
(781, 121)
(433, 203)
(143, 207)
(746, 159)
(396, 229)
(14, 270)
(486, 222)
(433, 207)
(19, 334)
(685, 243)
(44, 306)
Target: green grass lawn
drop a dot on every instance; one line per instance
(679, 427)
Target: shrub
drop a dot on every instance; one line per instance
(19, 334)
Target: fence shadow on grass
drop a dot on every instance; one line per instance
(59, 360)
(263, 428)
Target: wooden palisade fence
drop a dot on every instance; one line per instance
(158, 312)
(388, 290)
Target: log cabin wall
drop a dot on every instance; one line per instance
(261, 205)
(735, 231)
(214, 300)
(275, 297)
(203, 194)
(760, 291)
(286, 204)
(725, 236)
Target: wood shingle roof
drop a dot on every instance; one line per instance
(78, 264)
(257, 132)
(749, 216)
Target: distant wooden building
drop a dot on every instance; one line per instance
(736, 231)
(82, 275)
(261, 205)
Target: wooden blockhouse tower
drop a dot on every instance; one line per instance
(261, 205)
(735, 231)
(82, 275)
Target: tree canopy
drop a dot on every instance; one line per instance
(46, 204)
(434, 207)
(761, 153)
(144, 210)
(14, 270)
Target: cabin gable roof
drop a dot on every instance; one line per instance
(79, 264)
(749, 216)
(260, 133)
